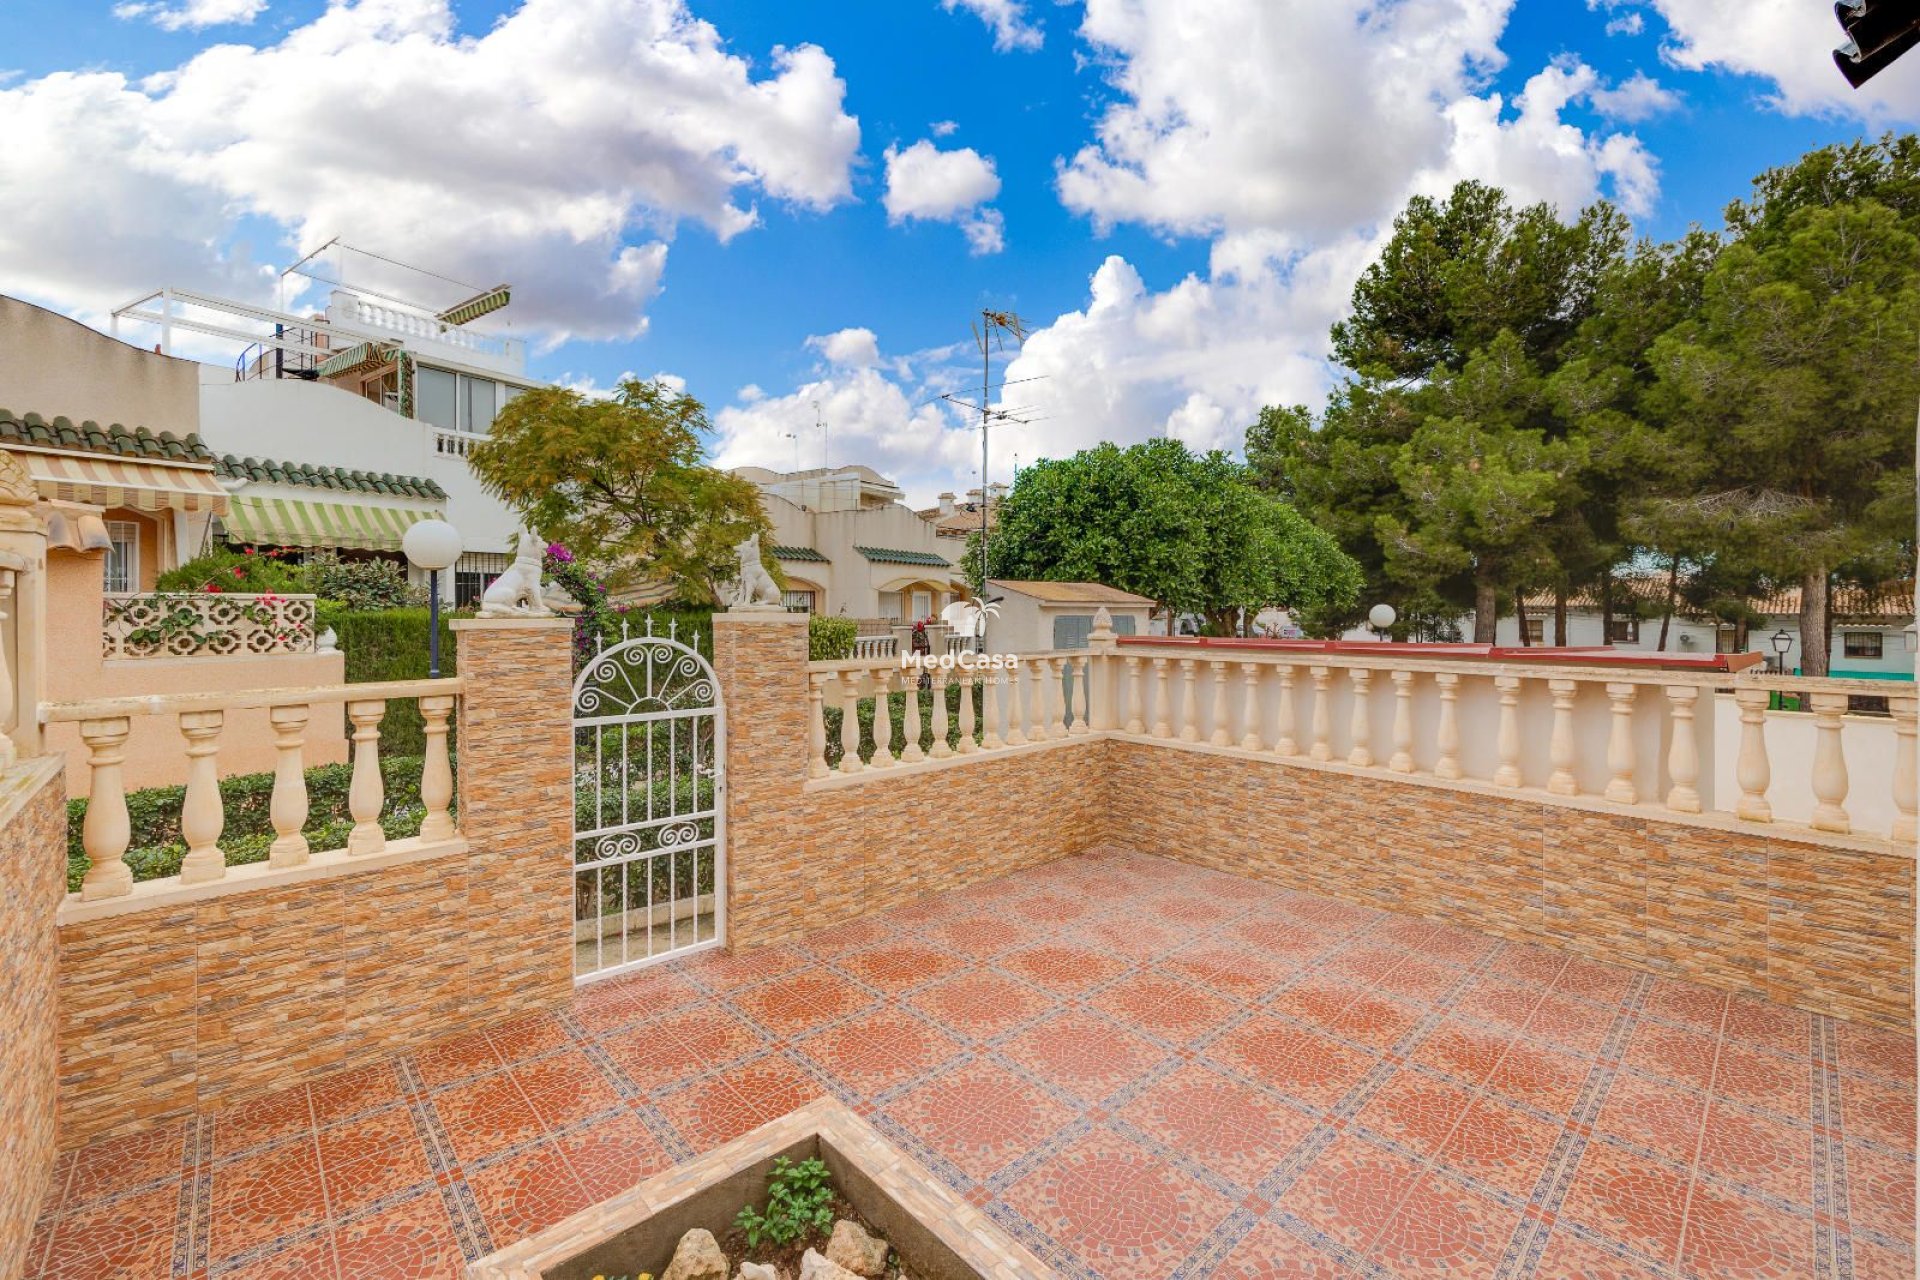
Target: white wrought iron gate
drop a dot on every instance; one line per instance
(649, 821)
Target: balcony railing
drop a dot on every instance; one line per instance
(205, 625)
(372, 315)
(106, 724)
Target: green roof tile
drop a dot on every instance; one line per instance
(338, 479)
(90, 437)
(807, 554)
(891, 555)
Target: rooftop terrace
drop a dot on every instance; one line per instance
(1139, 1067)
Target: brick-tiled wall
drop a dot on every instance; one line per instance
(167, 1010)
(31, 885)
(1824, 928)
(802, 859)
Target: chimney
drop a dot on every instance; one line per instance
(946, 504)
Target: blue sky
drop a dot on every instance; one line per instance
(1180, 193)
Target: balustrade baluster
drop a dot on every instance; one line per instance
(1829, 764)
(1560, 749)
(9, 750)
(1507, 742)
(288, 808)
(202, 816)
(1283, 716)
(817, 766)
(1906, 725)
(941, 747)
(882, 720)
(1683, 754)
(1055, 677)
(436, 777)
(990, 739)
(1360, 725)
(1447, 736)
(911, 752)
(1751, 769)
(367, 794)
(1135, 722)
(1322, 723)
(1162, 700)
(105, 831)
(1220, 736)
(1250, 706)
(850, 722)
(1189, 714)
(1402, 761)
(1080, 681)
(1621, 762)
(967, 745)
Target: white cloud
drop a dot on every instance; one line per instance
(926, 183)
(944, 128)
(1789, 43)
(192, 15)
(849, 348)
(558, 151)
(1627, 24)
(1007, 18)
(1638, 97)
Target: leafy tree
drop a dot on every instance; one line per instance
(623, 481)
(1191, 531)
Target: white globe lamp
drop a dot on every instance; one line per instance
(432, 545)
(1382, 617)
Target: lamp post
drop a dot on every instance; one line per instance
(1782, 642)
(432, 545)
(1382, 618)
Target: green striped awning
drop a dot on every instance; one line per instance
(479, 305)
(288, 522)
(357, 359)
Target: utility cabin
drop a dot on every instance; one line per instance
(1034, 616)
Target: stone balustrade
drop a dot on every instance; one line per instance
(105, 724)
(869, 648)
(1744, 748)
(205, 625)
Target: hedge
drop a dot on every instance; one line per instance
(156, 846)
(390, 644)
(830, 639)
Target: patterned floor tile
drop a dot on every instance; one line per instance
(876, 1051)
(1166, 1007)
(1416, 1111)
(1087, 1057)
(486, 1116)
(565, 1088)
(1502, 1147)
(346, 1094)
(707, 1113)
(1444, 1229)
(1269, 1253)
(132, 1235)
(1237, 972)
(980, 1117)
(528, 1036)
(1061, 967)
(899, 966)
(1118, 1208)
(1351, 1192)
(1539, 1076)
(1625, 1197)
(254, 1122)
(1878, 1111)
(1731, 1237)
(1230, 1128)
(799, 1002)
(528, 1192)
(1569, 1257)
(681, 1045)
(1760, 1152)
(1308, 1067)
(1756, 1078)
(622, 1001)
(117, 1165)
(369, 1158)
(1880, 1192)
(1663, 1117)
(980, 1005)
(413, 1240)
(261, 1198)
(1873, 1051)
(612, 1155)
(457, 1059)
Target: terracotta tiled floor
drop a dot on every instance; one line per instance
(1140, 1068)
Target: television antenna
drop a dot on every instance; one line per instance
(990, 334)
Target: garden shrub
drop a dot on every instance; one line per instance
(830, 639)
(391, 644)
(361, 584)
(247, 572)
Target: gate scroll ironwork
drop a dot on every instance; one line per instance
(649, 786)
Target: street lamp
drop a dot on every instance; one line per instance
(1382, 617)
(432, 545)
(1782, 642)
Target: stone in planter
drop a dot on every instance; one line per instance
(759, 1271)
(852, 1248)
(815, 1267)
(697, 1257)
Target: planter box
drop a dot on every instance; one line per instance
(938, 1235)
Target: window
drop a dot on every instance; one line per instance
(457, 402)
(1724, 640)
(801, 600)
(123, 558)
(922, 605)
(1624, 631)
(1536, 631)
(1861, 644)
(473, 573)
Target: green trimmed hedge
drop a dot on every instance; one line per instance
(156, 847)
(390, 644)
(830, 639)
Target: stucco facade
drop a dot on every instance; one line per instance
(843, 558)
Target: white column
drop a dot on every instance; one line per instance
(288, 808)
(1162, 700)
(1829, 764)
(1360, 724)
(1189, 714)
(1560, 748)
(1080, 676)
(436, 775)
(882, 719)
(1905, 800)
(941, 747)
(1039, 702)
(1135, 723)
(1447, 736)
(106, 829)
(850, 722)
(1751, 769)
(1322, 748)
(1220, 736)
(1250, 706)
(1283, 716)
(1683, 753)
(911, 752)
(1621, 758)
(367, 794)
(202, 816)
(964, 678)
(817, 766)
(990, 739)
(1402, 761)
(1507, 743)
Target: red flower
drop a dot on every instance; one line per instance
(249, 551)
(238, 572)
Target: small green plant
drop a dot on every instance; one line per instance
(830, 639)
(799, 1201)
